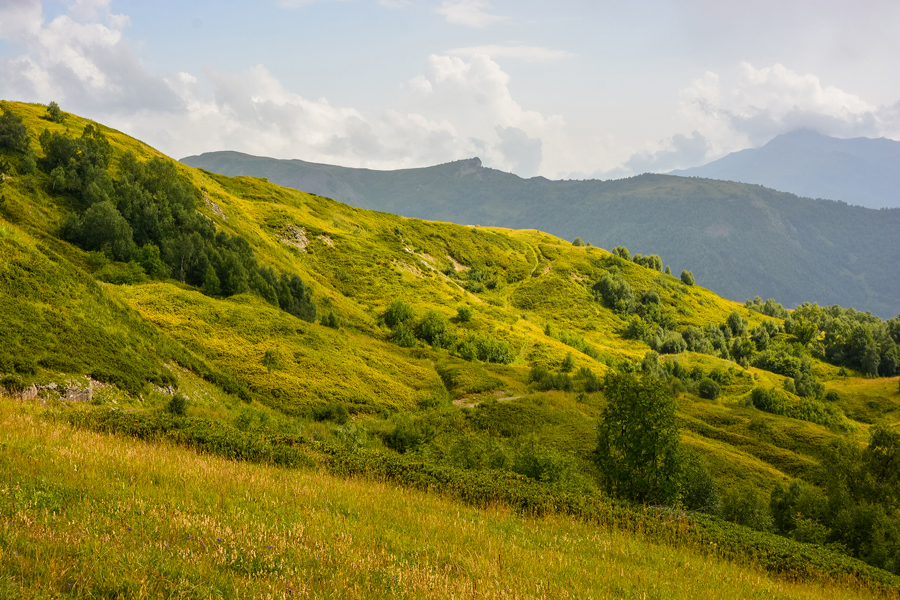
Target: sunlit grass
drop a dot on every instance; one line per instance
(86, 515)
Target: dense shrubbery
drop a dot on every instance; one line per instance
(148, 219)
(434, 329)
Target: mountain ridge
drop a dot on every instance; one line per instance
(861, 171)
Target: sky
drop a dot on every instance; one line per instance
(571, 89)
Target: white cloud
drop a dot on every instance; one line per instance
(458, 108)
(469, 13)
(85, 64)
(762, 103)
(534, 54)
(301, 3)
(754, 106)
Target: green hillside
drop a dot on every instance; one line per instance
(471, 365)
(740, 240)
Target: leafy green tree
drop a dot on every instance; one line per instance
(150, 259)
(699, 490)
(211, 284)
(622, 252)
(638, 449)
(54, 114)
(668, 270)
(578, 242)
(103, 228)
(805, 331)
(687, 277)
(13, 133)
(615, 291)
(568, 363)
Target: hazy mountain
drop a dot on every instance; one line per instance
(740, 240)
(859, 171)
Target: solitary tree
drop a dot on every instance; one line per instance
(638, 448)
(54, 113)
(578, 242)
(687, 277)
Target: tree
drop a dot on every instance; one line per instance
(568, 363)
(13, 133)
(103, 228)
(578, 242)
(638, 446)
(615, 291)
(687, 277)
(622, 252)
(54, 114)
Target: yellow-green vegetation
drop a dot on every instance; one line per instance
(497, 367)
(87, 515)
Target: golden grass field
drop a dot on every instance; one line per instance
(93, 516)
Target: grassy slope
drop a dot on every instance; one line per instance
(741, 240)
(88, 515)
(357, 262)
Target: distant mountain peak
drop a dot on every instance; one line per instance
(805, 162)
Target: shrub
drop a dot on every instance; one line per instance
(699, 491)
(768, 401)
(336, 413)
(687, 277)
(463, 314)
(177, 405)
(708, 389)
(399, 312)
(672, 343)
(615, 292)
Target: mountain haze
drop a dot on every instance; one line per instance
(740, 240)
(860, 171)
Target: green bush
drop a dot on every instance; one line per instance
(177, 405)
(687, 277)
(708, 389)
(334, 412)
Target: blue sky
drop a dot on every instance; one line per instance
(568, 89)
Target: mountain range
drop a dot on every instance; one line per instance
(860, 171)
(740, 240)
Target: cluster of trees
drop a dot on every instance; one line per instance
(434, 328)
(651, 261)
(148, 217)
(544, 380)
(849, 338)
(854, 510)
(14, 142)
(844, 337)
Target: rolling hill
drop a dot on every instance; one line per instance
(740, 240)
(860, 171)
(278, 391)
